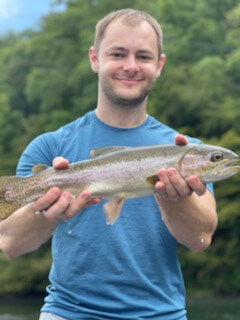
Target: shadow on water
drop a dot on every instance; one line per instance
(198, 309)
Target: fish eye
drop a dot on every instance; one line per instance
(216, 156)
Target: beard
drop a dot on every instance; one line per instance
(122, 99)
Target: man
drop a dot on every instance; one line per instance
(129, 270)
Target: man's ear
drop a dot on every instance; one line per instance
(93, 59)
(160, 65)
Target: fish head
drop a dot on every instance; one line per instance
(209, 163)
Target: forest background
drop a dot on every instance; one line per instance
(46, 81)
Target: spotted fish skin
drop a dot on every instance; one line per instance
(117, 173)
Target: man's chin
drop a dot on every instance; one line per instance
(129, 101)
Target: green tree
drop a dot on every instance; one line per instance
(46, 81)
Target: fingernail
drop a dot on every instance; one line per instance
(67, 195)
(96, 201)
(55, 191)
(85, 196)
(172, 173)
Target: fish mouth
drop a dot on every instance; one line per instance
(233, 163)
(227, 168)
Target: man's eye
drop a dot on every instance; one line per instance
(143, 57)
(117, 55)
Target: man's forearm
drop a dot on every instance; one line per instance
(24, 231)
(191, 220)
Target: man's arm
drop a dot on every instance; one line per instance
(192, 219)
(187, 207)
(24, 231)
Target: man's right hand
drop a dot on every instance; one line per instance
(62, 205)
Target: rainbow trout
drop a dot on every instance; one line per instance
(117, 173)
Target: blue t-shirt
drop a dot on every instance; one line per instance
(126, 271)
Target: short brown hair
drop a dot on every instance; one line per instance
(131, 16)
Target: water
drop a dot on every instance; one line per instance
(27, 309)
(205, 309)
(214, 309)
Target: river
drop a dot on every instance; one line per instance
(204, 309)
(20, 309)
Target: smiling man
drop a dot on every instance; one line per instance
(129, 270)
(128, 60)
(127, 63)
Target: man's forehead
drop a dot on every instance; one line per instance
(134, 36)
(120, 24)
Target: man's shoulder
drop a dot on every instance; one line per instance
(163, 131)
(47, 146)
(167, 133)
(158, 125)
(70, 129)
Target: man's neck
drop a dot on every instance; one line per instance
(122, 116)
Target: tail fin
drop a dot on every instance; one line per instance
(6, 208)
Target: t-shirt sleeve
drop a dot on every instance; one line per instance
(42, 149)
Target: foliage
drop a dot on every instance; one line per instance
(46, 81)
(27, 275)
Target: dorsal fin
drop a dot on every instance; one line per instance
(39, 167)
(106, 150)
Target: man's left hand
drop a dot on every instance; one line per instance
(172, 187)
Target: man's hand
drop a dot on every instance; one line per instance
(56, 204)
(172, 187)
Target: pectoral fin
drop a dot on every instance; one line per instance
(153, 179)
(112, 209)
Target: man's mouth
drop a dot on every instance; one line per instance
(129, 80)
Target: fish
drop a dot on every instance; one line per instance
(117, 173)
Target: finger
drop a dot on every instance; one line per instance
(60, 206)
(170, 190)
(160, 188)
(77, 205)
(81, 203)
(181, 140)
(60, 163)
(180, 185)
(196, 184)
(47, 199)
(94, 201)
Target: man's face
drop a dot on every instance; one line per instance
(127, 63)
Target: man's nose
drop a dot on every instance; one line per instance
(131, 65)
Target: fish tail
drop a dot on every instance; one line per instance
(6, 207)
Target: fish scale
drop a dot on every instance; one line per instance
(116, 173)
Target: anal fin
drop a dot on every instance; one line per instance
(112, 209)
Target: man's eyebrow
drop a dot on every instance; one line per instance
(145, 51)
(117, 48)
